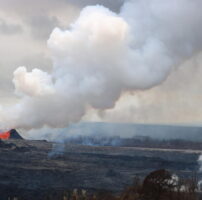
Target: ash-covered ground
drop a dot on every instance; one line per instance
(33, 169)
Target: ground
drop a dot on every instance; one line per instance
(31, 169)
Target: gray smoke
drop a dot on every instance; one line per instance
(103, 55)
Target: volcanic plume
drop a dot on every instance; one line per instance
(102, 55)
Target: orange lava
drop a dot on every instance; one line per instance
(5, 135)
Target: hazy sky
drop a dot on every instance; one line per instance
(25, 27)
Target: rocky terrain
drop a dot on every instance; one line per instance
(32, 169)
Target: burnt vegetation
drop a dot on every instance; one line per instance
(136, 141)
(158, 185)
(28, 172)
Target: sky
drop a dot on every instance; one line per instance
(25, 27)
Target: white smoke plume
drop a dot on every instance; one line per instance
(200, 170)
(200, 162)
(101, 56)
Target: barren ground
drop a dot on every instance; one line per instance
(31, 169)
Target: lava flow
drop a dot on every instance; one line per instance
(12, 134)
(5, 135)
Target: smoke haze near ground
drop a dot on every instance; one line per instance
(103, 55)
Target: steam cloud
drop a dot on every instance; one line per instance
(101, 56)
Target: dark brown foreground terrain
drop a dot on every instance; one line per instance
(34, 169)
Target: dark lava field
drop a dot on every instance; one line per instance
(33, 169)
